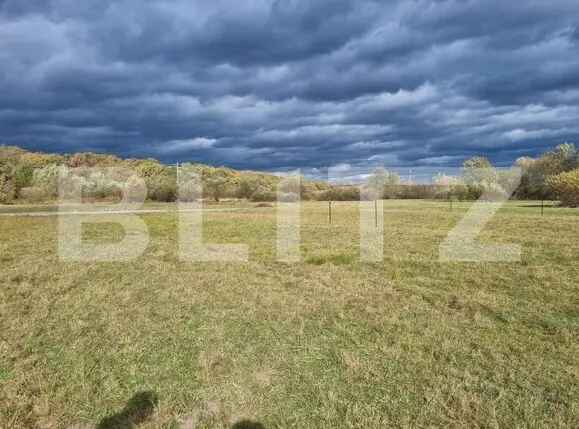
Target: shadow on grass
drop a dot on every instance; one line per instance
(141, 407)
(138, 410)
(247, 424)
(340, 259)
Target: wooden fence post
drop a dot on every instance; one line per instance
(330, 212)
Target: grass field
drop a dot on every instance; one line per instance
(330, 342)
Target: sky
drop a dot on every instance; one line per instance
(279, 85)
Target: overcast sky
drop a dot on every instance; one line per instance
(275, 85)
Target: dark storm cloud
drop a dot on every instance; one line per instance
(291, 84)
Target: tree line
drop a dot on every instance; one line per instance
(33, 177)
(552, 176)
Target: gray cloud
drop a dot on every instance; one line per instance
(291, 84)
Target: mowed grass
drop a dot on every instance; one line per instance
(330, 342)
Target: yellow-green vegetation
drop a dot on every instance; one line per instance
(28, 177)
(566, 185)
(330, 342)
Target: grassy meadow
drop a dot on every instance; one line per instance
(331, 342)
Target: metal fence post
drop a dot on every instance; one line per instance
(542, 207)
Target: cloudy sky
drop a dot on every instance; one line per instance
(283, 84)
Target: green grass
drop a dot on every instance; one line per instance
(329, 342)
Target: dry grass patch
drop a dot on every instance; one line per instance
(329, 342)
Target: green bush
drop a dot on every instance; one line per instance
(161, 188)
(23, 175)
(417, 192)
(100, 185)
(288, 197)
(7, 192)
(459, 192)
(341, 193)
(216, 187)
(263, 194)
(566, 187)
(47, 179)
(246, 187)
(493, 192)
(473, 192)
(33, 194)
